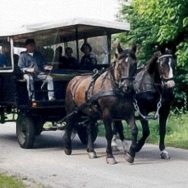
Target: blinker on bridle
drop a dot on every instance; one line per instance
(165, 55)
(158, 61)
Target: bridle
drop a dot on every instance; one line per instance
(123, 78)
(158, 61)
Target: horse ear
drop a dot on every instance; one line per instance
(157, 54)
(134, 48)
(168, 51)
(119, 48)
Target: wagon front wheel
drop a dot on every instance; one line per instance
(25, 131)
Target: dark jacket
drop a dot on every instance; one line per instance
(88, 62)
(36, 61)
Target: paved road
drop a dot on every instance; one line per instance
(47, 166)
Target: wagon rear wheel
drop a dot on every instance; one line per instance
(82, 133)
(25, 131)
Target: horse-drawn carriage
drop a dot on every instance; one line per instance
(30, 116)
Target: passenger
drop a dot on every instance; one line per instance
(5, 57)
(58, 53)
(88, 60)
(33, 65)
(57, 57)
(68, 61)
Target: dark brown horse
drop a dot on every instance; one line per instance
(153, 87)
(106, 97)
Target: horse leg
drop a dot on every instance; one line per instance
(162, 132)
(145, 134)
(109, 134)
(118, 128)
(114, 138)
(67, 136)
(130, 155)
(90, 148)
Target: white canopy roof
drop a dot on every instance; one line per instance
(95, 27)
(18, 16)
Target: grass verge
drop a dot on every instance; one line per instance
(10, 182)
(176, 131)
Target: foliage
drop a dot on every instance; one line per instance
(10, 182)
(157, 25)
(176, 131)
(178, 136)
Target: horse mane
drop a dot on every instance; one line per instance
(147, 74)
(110, 69)
(151, 63)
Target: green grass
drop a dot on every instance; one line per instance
(176, 131)
(10, 182)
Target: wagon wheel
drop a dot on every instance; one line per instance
(25, 131)
(39, 126)
(82, 133)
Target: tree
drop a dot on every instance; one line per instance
(156, 25)
(159, 24)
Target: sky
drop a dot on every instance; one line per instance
(21, 12)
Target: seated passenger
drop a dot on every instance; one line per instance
(33, 65)
(68, 61)
(58, 54)
(88, 60)
(56, 57)
(5, 57)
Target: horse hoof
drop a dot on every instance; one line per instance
(111, 161)
(68, 151)
(129, 158)
(92, 155)
(115, 148)
(164, 155)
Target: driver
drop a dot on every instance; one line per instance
(33, 65)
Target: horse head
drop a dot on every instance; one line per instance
(161, 68)
(166, 65)
(125, 67)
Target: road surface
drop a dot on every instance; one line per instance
(47, 166)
